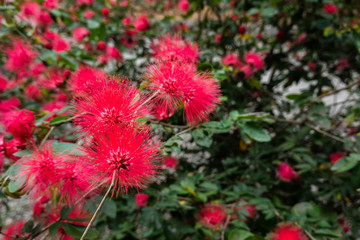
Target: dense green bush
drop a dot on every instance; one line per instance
(281, 149)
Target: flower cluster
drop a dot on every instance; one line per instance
(173, 81)
(252, 62)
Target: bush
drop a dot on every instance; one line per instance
(189, 119)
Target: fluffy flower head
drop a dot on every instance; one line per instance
(286, 173)
(141, 200)
(212, 215)
(288, 232)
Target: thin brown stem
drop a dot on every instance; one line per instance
(99, 207)
(47, 135)
(226, 225)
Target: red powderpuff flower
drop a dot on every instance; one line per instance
(85, 79)
(249, 208)
(141, 200)
(101, 45)
(167, 84)
(51, 3)
(254, 60)
(114, 102)
(184, 5)
(11, 103)
(173, 48)
(200, 98)
(112, 52)
(330, 8)
(40, 170)
(212, 215)
(141, 23)
(242, 30)
(231, 59)
(105, 12)
(288, 231)
(3, 83)
(170, 162)
(334, 157)
(20, 56)
(88, 14)
(286, 173)
(161, 112)
(312, 66)
(12, 147)
(129, 152)
(126, 21)
(218, 38)
(14, 230)
(80, 33)
(20, 123)
(54, 105)
(44, 19)
(75, 181)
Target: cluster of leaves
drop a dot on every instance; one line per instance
(285, 112)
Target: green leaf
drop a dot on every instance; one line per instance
(58, 120)
(269, 12)
(16, 184)
(346, 163)
(65, 212)
(22, 153)
(201, 138)
(91, 24)
(54, 228)
(28, 227)
(109, 208)
(255, 132)
(77, 231)
(326, 233)
(66, 147)
(239, 235)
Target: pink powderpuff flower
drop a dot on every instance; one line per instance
(75, 181)
(288, 231)
(141, 200)
(51, 4)
(170, 162)
(301, 38)
(114, 102)
(212, 215)
(80, 33)
(173, 48)
(231, 59)
(330, 8)
(40, 170)
(286, 173)
(30, 12)
(334, 157)
(254, 60)
(85, 79)
(112, 52)
(3, 83)
(126, 152)
(55, 42)
(2, 152)
(20, 123)
(201, 98)
(184, 5)
(88, 14)
(142, 23)
(14, 230)
(259, 36)
(20, 56)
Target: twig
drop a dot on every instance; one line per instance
(169, 125)
(306, 232)
(339, 90)
(186, 130)
(147, 100)
(99, 207)
(325, 133)
(4, 234)
(226, 224)
(47, 135)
